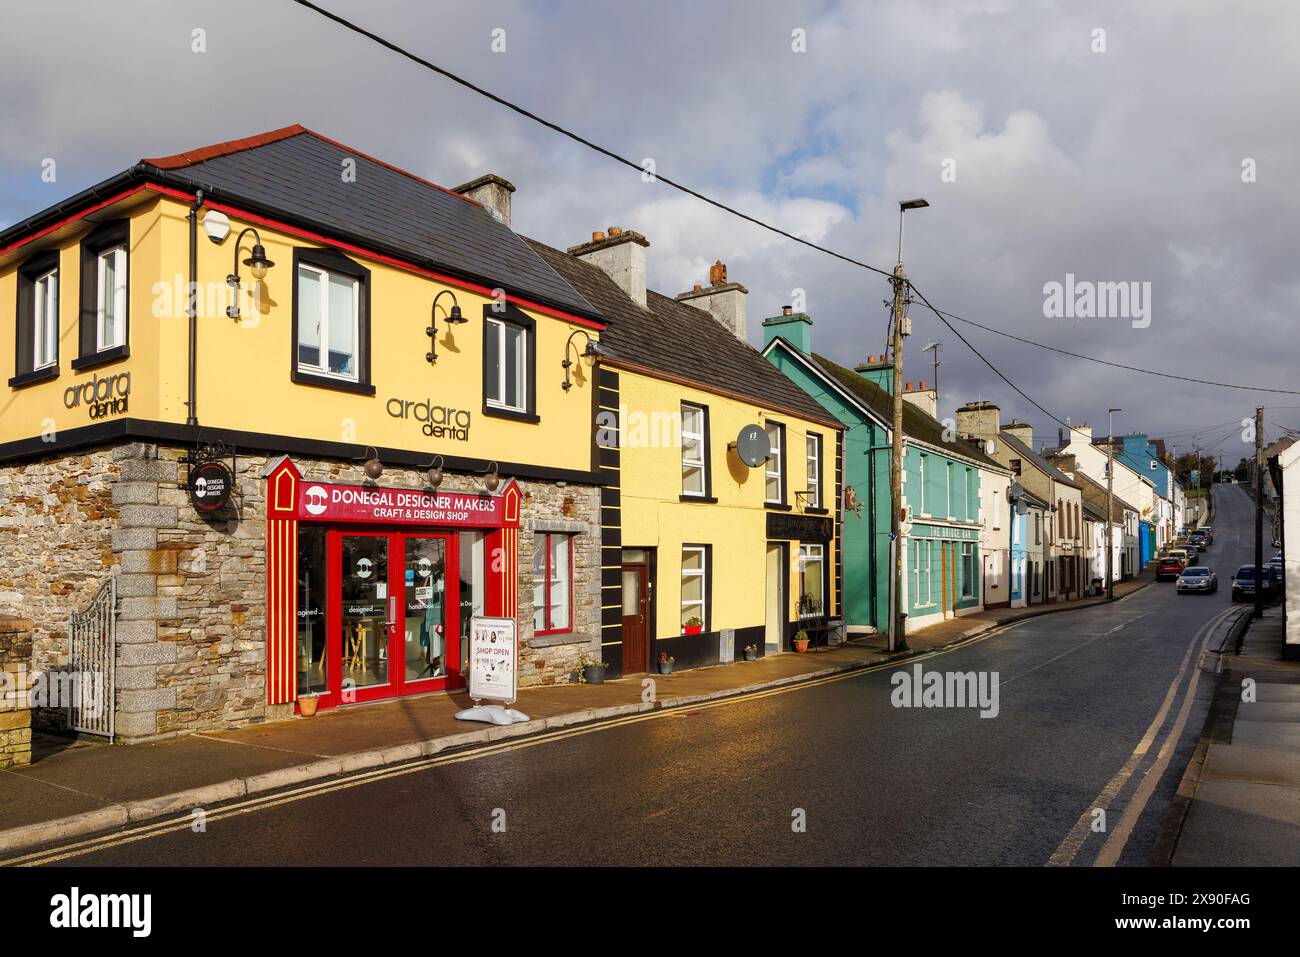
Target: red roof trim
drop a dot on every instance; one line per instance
(190, 157)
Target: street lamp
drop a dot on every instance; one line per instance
(897, 637)
(454, 318)
(257, 264)
(934, 346)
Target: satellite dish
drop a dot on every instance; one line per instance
(752, 445)
(990, 447)
(1014, 491)
(1021, 506)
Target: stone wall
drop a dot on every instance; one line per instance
(57, 517)
(15, 674)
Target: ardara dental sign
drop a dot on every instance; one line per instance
(440, 421)
(101, 397)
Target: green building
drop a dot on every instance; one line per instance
(941, 486)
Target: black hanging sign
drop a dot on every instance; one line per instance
(210, 486)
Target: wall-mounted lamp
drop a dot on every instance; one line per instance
(454, 318)
(257, 264)
(590, 353)
(434, 475)
(492, 477)
(374, 467)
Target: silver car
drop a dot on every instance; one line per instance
(1198, 578)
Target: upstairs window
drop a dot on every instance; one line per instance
(695, 454)
(110, 299)
(774, 485)
(331, 320)
(813, 454)
(36, 355)
(509, 358)
(104, 326)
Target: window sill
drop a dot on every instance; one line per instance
(814, 510)
(778, 506)
(705, 499)
(104, 357)
(516, 415)
(31, 378)
(325, 382)
(557, 638)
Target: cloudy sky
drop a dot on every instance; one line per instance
(1123, 164)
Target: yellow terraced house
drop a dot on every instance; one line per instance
(723, 526)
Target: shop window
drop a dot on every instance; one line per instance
(695, 589)
(923, 592)
(509, 360)
(473, 587)
(37, 356)
(311, 609)
(695, 451)
(812, 569)
(813, 455)
(331, 321)
(552, 583)
(774, 487)
(105, 300)
(968, 570)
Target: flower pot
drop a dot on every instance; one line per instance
(594, 674)
(751, 655)
(694, 629)
(665, 667)
(801, 646)
(307, 705)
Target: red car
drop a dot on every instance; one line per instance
(1168, 569)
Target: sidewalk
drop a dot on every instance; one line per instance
(1241, 790)
(79, 788)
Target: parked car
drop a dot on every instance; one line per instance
(1208, 530)
(1200, 538)
(1198, 578)
(1243, 583)
(1181, 554)
(1169, 568)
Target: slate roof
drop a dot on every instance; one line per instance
(1041, 463)
(680, 340)
(295, 174)
(1094, 491)
(916, 423)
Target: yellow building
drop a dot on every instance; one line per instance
(359, 436)
(715, 554)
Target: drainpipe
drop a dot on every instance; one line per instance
(192, 309)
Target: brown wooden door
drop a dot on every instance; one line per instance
(636, 619)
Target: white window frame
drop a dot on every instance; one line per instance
(967, 553)
(702, 574)
(323, 327)
(813, 461)
(500, 335)
(775, 468)
(928, 591)
(45, 320)
(701, 462)
(810, 554)
(924, 510)
(118, 253)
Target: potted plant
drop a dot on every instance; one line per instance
(751, 652)
(593, 672)
(307, 704)
(666, 663)
(694, 626)
(801, 641)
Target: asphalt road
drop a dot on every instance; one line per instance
(875, 784)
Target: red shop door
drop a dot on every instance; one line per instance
(393, 609)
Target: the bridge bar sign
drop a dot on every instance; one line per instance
(210, 486)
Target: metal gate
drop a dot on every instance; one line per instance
(92, 661)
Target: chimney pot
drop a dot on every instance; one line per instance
(907, 387)
(718, 274)
(787, 310)
(615, 231)
(698, 287)
(922, 385)
(597, 236)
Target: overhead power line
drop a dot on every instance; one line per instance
(718, 204)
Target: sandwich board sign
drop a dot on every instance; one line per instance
(493, 671)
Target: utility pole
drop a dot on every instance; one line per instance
(1259, 511)
(1110, 503)
(897, 630)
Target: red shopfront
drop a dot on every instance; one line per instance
(370, 590)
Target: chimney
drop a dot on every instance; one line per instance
(1022, 431)
(621, 256)
(1067, 463)
(1080, 433)
(492, 192)
(878, 369)
(979, 421)
(927, 400)
(725, 301)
